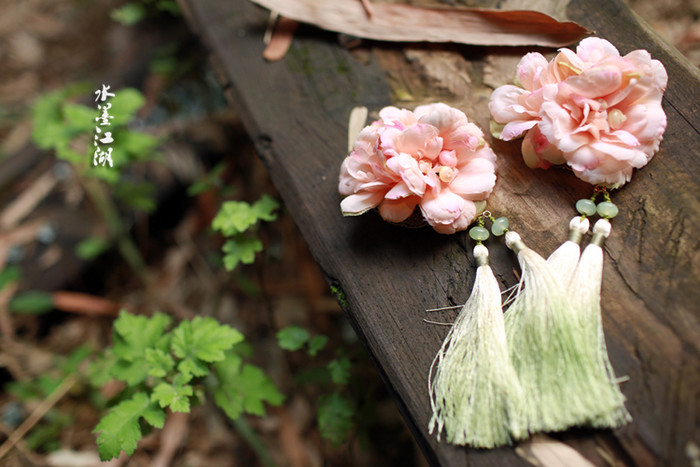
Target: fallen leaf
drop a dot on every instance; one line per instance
(408, 23)
(281, 39)
(543, 451)
(357, 121)
(76, 302)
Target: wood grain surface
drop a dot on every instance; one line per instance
(296, 112)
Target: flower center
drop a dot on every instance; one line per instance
(446, 173)
(616, 119)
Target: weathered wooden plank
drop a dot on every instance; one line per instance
(296, 111)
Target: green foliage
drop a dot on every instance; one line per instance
(170, 369)
(44, 435)
(292, 337)
(238, 216)
(316, 344)
(120, 431)
(240, 249)
(128, 14)
(92, 247)
(335, 417)
(132, 13)
(70, 129)
(340, 370)
(295, 337)
(200, 342)
(210, 181)
(32, 302)
(9, 275)
(237, 220)
(176, 395)
(243, 388)
(335, 411)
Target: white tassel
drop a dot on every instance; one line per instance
(557, 376)
(564, 259)
(475, 393)
(584, 291)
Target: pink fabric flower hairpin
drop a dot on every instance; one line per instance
(594, 110)
(432, 158)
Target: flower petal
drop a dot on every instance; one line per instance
(359, 203)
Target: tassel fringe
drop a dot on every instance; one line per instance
(475, 393)
(560, 380)
(584, 292)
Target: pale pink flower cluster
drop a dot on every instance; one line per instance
(595, 110)
(432, 157)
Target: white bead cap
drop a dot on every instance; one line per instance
(603, 227)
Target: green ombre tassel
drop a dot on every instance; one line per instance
(584, 295)
(561, 381)
(474, 391)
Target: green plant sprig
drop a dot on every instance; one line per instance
(174, 370)
(237, 221)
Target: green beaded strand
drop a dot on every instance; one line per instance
(607, 209)
(479, 233)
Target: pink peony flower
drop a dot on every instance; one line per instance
(433, 158)
(595, 110)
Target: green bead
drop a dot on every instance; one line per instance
(499, 226)
(478, 233)
(585, 207)
(607, 210)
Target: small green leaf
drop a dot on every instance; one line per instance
(9, 275)
(132, 335)
(292, 337)
(160, 363)
(31, 303)
(170, 6)
(240, 249)
(238, 216)
(264, 208)
(244, 391)
(91, 248)
(175, 396)
(202, 341)
(125, 103)
(234, 217)
(139, 146)
(335, 414)
(340, 370)
(79, 118)
(119, 430)
(154, 416)
(199, 187)
(100, 370)
(316, 344)
(128, 14)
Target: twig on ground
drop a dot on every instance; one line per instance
(27, 201)
(38, 414)
(171, 438)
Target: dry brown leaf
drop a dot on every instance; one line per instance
(407, 23)
(281, 39)
(356, 122)
(543, 451)
(76, 302)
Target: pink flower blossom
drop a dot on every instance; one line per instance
(433, 158)
(595, 110)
